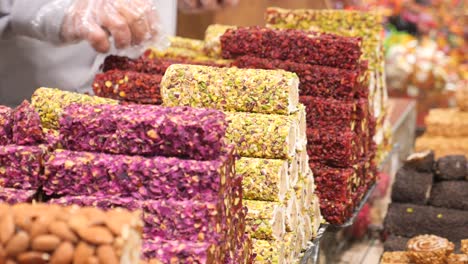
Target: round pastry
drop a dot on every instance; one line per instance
(457, 259)
(429, 249)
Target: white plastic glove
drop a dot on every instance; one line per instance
(129, 22)
(195, 6)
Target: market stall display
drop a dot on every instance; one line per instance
(51, 234)
(426, 203)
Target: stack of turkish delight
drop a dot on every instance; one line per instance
(333, 89)
(267, 125)
(428, 197)
(446, 133)
(348, 23)
(22, 149)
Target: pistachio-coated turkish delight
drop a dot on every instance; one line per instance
(50, 103)
(128, 86)
(26, 125)
(213, 34)
(265, 220)
(14, 196)
(85, 173)
(282, 251)
(21, 166)
(231, 89)
(263, 179)
(291, 44)
(261, 135)
(5, 125)
(144, 130)
(187, 43)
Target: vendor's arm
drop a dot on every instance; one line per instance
(129, 22)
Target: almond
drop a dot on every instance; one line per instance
(82, 253)
(39, 227)
(33, 258)
(7, 225)
(78, 222)
(96, 235)
(63, 254)
(92, 260)
(94, 215)
(62, 230)
(106, 255)
(19, 243)
(45, 243)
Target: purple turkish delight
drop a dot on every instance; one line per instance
(85, 173)
(21, 166)
(103, 202)
(26, 126)
(144, 130)
(5, 125)
(14, 196)
(179, 251)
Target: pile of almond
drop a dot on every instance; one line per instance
(43, 233)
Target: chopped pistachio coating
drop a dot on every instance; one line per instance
(213, 34)
(231, 89)
(263, 179)
(292, 212)
(50, 104)
(187, 43)
(276, 252)
(265, 220)
(262, 136)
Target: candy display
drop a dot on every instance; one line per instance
(14, 196)
(26, 125)
(429, 249)
(21, 166)
(50, 103)
(296, 45)
(213, 34)
(450, 194)
(51, 234)
(394, 257)
(412, 186)
(86, 173)
(453, 167)
(261, 135)
(5, 125)
(447, 123)
(274, 252)
(266, 220)
(128, 86)
(230, 89)
(133, 129)
(318, 81)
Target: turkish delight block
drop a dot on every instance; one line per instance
(395, 257)
(66, 231)
(315, 80)
(261, 135)
(213, 35)
(429, 249)
(144, 130)
(191, 220)
(412, 186)
(128, 86)
(337, 147)
(265, 220)
(180, 251)
(337, 113)
(443, 146)
(231, 89)
(52, 138)
(281, 251)
(411, 220)
(421, 161)
(15, 196)
(5, 125)
(104, 202)
(263, 179)
(395, 243)
(21, 166)
(299, 46)
(26, 125)
(143, 64)
(453, 167)
(447, 122)
(187, 43)
(336, 212)
(85, 173)
(176, 55)
(450, 194)
(50, 104)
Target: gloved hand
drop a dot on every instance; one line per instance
(129, 22)
(194, 6)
